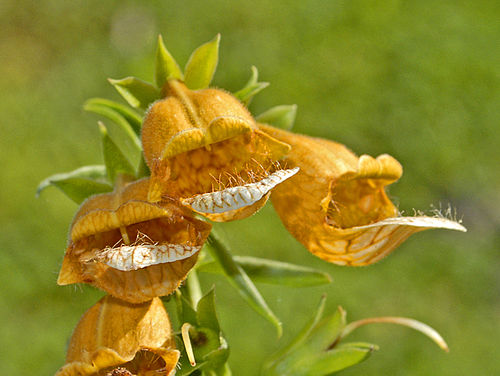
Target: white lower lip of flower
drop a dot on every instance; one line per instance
(133, 257)
(237, 197)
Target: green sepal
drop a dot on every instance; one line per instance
(138, 93)
(209, 346)
(280, 116)
(241, 281)
(186, 312)
(205, 312)
(97, 105)
(166, 66)
(115, 161)
(252, 88)
(120, 131)
(79, 184)
(202, 64)
(273, 272)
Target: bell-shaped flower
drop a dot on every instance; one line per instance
(118, 338)
(336, 205)
(133, 249)
(204, 148)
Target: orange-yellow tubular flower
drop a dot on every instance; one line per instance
(203, 148)
(117, 336)
(336, 205)
(132, 249)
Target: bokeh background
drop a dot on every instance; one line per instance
(419, 80)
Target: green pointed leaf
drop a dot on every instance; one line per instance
(166, 66)
(121, 132)
(300, 338)
(273, 272)
(240, 280)
(202, 64)
(80, 183)
(327, 331)
(206, 314)
(97, 105)
(333, 361)
(188, 314)
(280, 116)
(115, 161)
(138, 93)
(252, 88)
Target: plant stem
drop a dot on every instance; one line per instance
(193, 288)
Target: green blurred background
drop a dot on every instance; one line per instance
(419, 80)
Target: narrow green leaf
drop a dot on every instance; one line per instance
(252, 87)
(273, 272)
(240, 280)
(115, 161)
(327, 331)
(205, 311)
(138, 93)
(121, 132)
(322, 363)
(79, 184)
(202, 64)
(192, 288)
(300, 338)
(280, 116)
(334, 360)
(166, 66)
(130, 115)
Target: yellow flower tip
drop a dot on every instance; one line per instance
(114, 337)
(131, 248)
(337, 205)
(203, 141)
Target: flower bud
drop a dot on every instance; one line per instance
(197, 142)
(118, 338)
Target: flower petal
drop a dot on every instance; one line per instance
(337, 205)
(131, 248)
(364, 245)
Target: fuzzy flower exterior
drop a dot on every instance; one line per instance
(198, 142)
(337, 207)
(114, 336)
(132, 249)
